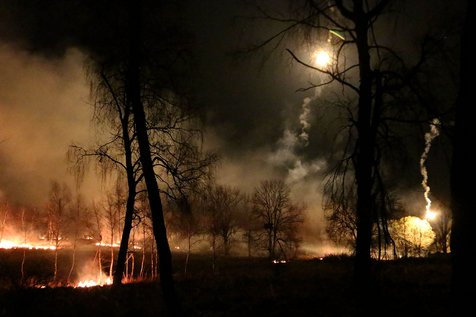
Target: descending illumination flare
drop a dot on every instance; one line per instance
(431, 215)
(322, 59)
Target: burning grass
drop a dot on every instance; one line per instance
(252, 287)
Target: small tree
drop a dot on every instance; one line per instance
(412, 235)
(57, 212)
(114, 209)
(4, 211)
(341, 226)
(222, 205)
(185, 221)
(78, 223)
(279, 215)
(249, 224)
(98, 236)
(442, 227)
(24, 230)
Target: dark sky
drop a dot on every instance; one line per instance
(254, 115)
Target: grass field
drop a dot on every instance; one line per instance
(241, 287)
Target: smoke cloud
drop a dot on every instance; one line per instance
(43, 109)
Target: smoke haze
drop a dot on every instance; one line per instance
(43, 109)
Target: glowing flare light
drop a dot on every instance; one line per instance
(322, 59)
(431, 215)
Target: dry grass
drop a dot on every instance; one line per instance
(253, 287)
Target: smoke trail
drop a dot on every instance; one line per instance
(304, 121)
(286, 154)
(429, 136)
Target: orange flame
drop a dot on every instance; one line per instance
(7, 244)
(92, 283)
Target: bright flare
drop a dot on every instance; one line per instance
(322, 59)
(431, 215)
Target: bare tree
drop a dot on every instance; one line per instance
(442, 227)
(171, 132)
(280, 217)
(5, 209)
(249, 223)
(413, 236)
(57, 213)
(341, 226)
(340, 211)
(117, 154)
(78, 223)
(153, 85)
(222, 210)
(186, 222)
(372, 77)
(25, 232)
(113, 208)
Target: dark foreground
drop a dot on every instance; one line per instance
(254, 287)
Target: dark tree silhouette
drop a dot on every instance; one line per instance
(339, 208)
(172, 127)
(133, 92)
(463, 239)
(221, 211)
(119, 153)
(185, 220)
(279, 215)
(372, 79)
(57, 213)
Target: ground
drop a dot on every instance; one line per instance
(253, 287)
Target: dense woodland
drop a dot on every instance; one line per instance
(173, 240)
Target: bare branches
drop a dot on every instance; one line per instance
(280, 217)
(334, 76)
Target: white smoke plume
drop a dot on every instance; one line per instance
(304, 121)
(429, 137)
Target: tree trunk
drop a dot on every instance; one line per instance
(463, 239)
(365, 152)
(226, 245)
(214, 255)
(189, 248)
(133, 91)
(55, 275)
(249, 243)
(4, 221)
(24, 242)
(121, 257)
(73, 262)
(142, 264)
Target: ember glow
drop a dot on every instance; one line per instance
(114, 245)
(92, 283)
(109, 245)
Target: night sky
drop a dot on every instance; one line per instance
(253, 114)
